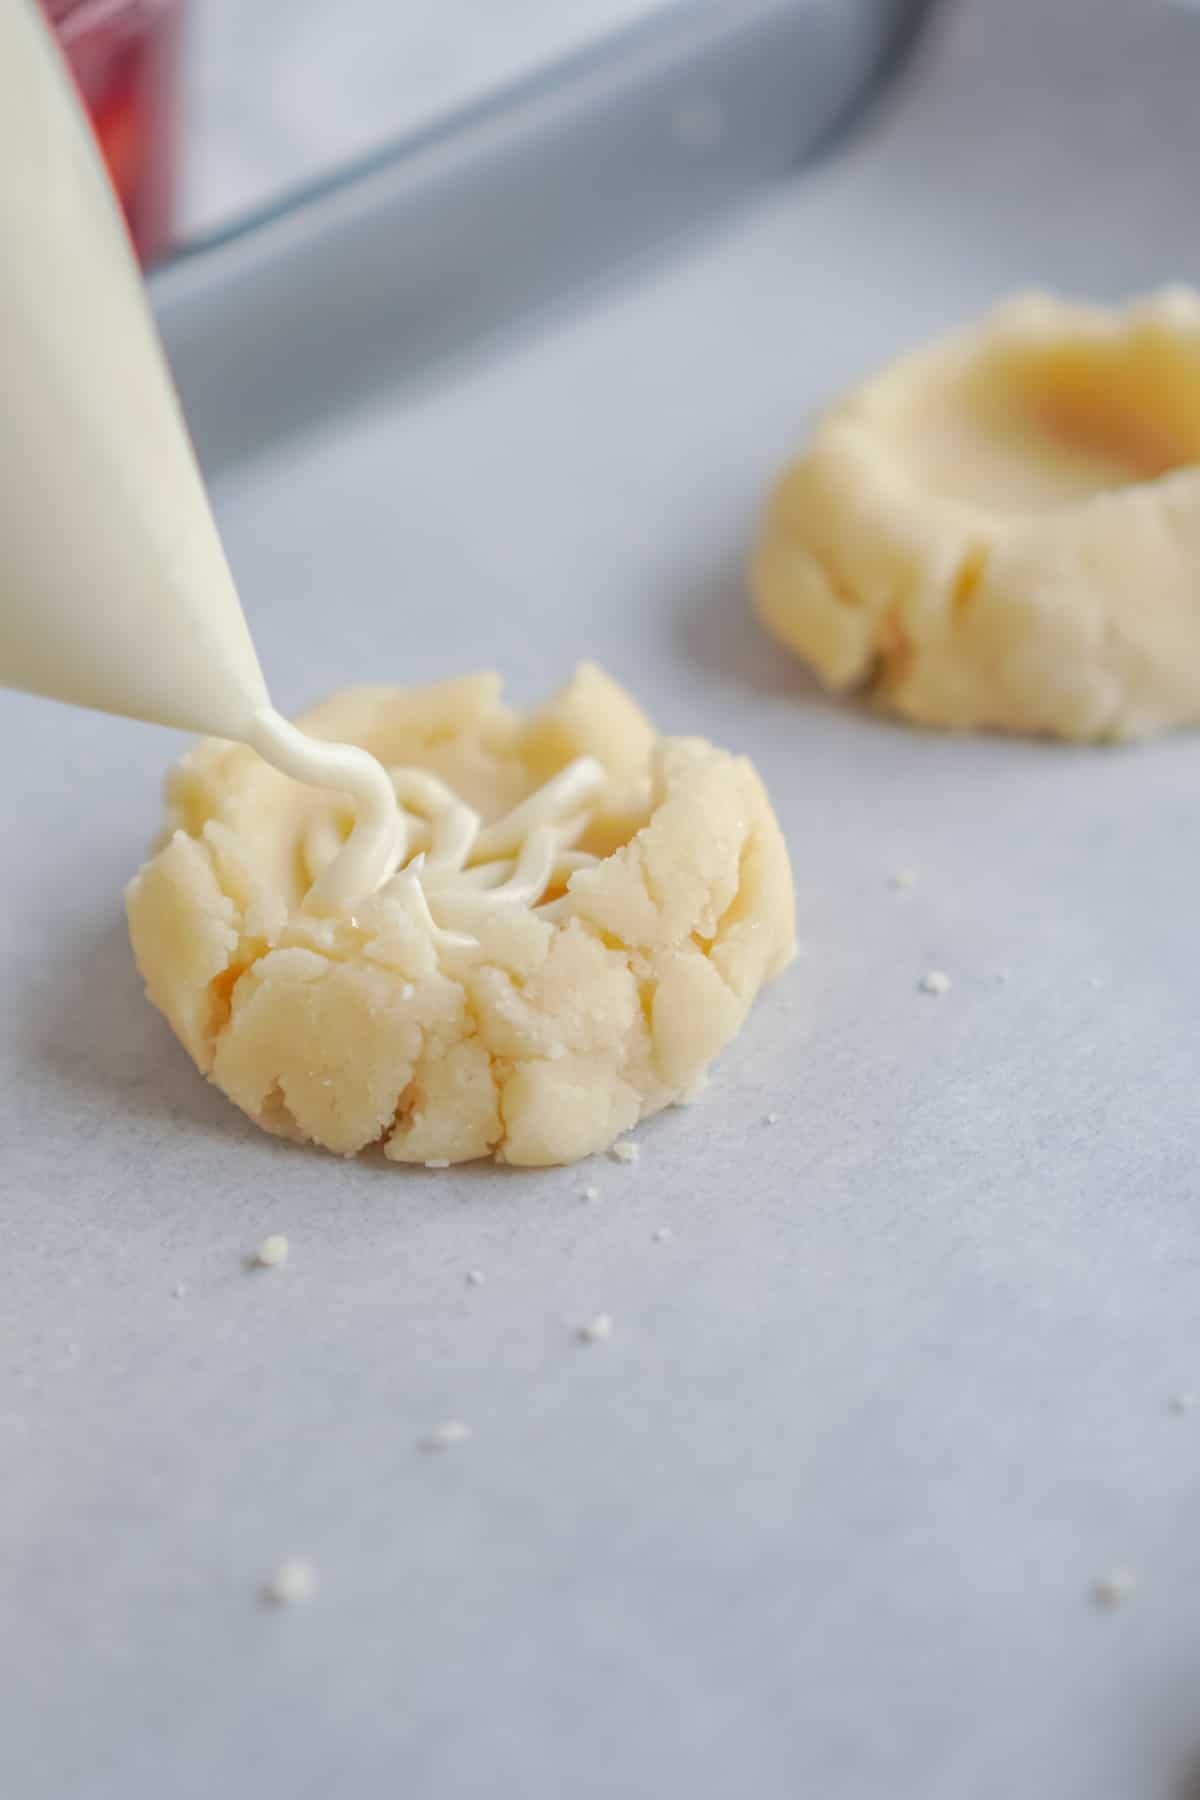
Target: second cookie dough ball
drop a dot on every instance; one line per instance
(1003, 529)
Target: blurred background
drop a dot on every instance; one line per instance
(209, 109)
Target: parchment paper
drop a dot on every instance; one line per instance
(822, 1517)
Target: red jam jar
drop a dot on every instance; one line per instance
(126, 58)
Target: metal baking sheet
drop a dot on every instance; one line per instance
(274, 95)
(823, 1516)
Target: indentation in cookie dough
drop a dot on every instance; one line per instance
(1029, 423)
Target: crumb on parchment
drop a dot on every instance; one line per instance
(1114, 1587)
(597, 1330)
(446, 1435)
(293, 1583)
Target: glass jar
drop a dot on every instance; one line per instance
(126, 58)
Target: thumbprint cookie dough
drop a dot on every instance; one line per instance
(577, 917)
(1003, 530)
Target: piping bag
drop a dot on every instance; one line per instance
(114, 588)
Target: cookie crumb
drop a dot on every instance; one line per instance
(663, 1234)
(293, 1583)
(597, 1330)
(1184, 1402)
(1003, 977)
(934, 981)
(771, 1118)
(904, 878)
(475, 1277)
(591, 1192)
(446, 1435)
(1114, 1588)
(179, 1290)
(272, 1253)
(1094, 981)
(625, 1151)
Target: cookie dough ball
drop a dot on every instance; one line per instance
(1003, 530)
(579, 921)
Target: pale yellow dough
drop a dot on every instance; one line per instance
(1003, 530)
(541, 1035)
